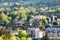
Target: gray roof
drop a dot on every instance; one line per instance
(19, 21)
(52, 29)
(32, 28)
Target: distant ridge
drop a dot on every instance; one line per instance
(37, 3)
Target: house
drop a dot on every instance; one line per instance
(35, 20)
(53, 33)
(52, 19)
(18, 23)
(35, 33)
(31, 21)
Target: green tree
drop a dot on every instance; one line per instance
(22, 33)
(23, 38)
(29, 38)
(1, 38)
(6, 19)
(58, 22)
(56, 39)
(46, 36)
(17, 38)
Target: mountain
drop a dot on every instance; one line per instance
(37, 3)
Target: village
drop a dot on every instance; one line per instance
(36, 32)
(29, 20)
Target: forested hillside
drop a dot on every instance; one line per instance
(37, 3)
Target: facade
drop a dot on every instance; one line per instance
(35, 33)
(53, 33)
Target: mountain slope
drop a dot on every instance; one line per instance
(37, 3)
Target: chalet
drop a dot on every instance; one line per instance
(35, 33)
(35, 20)
(52, 19)
(31, 21)
(53, 33)
(18, 23)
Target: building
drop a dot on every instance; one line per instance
(35, 20)
(18, 23)
(35, 33)
(31, 21)
(52, 19)
(53, 33)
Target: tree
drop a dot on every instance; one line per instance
(44, 20)
(41, 23)
(1, 38)
(23, 38)
(6, 19)
(33, 11)
(55, 39)
(29, 38)
(22, 33)
(46, 36)
(13, 14)
(17, 38)
(58, 22)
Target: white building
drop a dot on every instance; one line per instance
(53, 33)
(35, 33)
(52, 19)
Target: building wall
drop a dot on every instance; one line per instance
(35, 33)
